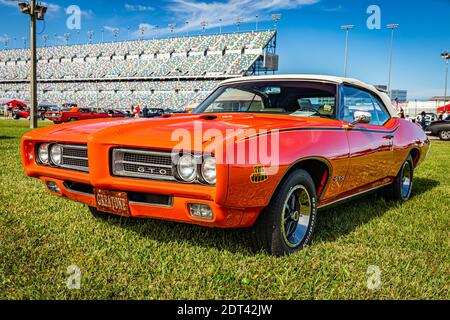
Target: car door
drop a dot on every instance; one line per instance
(370, 144)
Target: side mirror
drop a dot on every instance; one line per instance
(362, 117)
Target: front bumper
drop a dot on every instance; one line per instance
(178, 209)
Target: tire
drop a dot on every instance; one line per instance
(56, 122)
(285, 225)
(104, 215)
(72, 119)
(444, 135)
(401, 188)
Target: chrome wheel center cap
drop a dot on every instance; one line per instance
(295, 215)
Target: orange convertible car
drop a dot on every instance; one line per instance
(259, 152)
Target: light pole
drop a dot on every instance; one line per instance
(346, 28)
(445, 56)
(90, 35)
(24, 40)
(103, 35)
(204, 23)
(5, 41)
(238, 22)
(66, 37)
(392, 26)
(186, 23)
(128, 33)
(276, 17)
(36, 12)
(220, 26)
(172, 27)
(45, 38)
(256, 26)
(115, 33)
(142, 29)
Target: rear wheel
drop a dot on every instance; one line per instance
(287, 224)
(401, 188)
(444, 135)
(72, 119)
(56, 122)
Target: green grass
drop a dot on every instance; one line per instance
(41, 235)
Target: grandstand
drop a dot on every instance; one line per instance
(165, 73)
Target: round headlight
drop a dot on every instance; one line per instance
(56, 154)
(187, 168)
(209, 170)
(43, 153)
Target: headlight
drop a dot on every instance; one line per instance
(43, 153)
(187, 168)
(56, 154)
(209, 170)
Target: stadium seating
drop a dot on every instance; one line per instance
(168, 72)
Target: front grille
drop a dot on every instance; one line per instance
(143, 164)
(75, 157)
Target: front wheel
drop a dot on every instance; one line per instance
(286, 225)
(444, 135)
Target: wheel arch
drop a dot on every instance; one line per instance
(415, 154)
(318, 168)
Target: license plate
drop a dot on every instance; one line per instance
(112, 201)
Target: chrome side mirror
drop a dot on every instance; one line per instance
(362, 117)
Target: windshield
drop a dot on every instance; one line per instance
(297, 98)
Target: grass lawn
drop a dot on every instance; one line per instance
(41, 235)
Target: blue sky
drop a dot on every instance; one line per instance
(309, 38)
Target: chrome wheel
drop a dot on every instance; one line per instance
(296, 216)
(445, 135)
(406, 181)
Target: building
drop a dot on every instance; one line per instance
(400, 95)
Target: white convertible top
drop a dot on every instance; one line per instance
(321, 78)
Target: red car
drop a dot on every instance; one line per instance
(74, 114)
(260, 152)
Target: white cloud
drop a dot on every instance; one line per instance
(138, 7)
(9, 3)
(228, 11)
(222, 13)
(51, 7)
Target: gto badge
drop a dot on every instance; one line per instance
(141, 169)
(259, 174)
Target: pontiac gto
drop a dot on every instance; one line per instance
(324, 140)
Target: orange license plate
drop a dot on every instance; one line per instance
(112, 201)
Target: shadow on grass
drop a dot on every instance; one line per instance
(332, 224)
(7, 138)
(343, 219)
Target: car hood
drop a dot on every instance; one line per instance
(167, 132)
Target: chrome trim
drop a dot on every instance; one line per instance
(68, 166)
(118, 162)
(353, 195)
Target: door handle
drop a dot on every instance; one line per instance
(389, 136)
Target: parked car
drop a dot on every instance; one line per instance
(319, 141)
(74, 114)
(439, 129)
(430, 117)
(21, 112)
